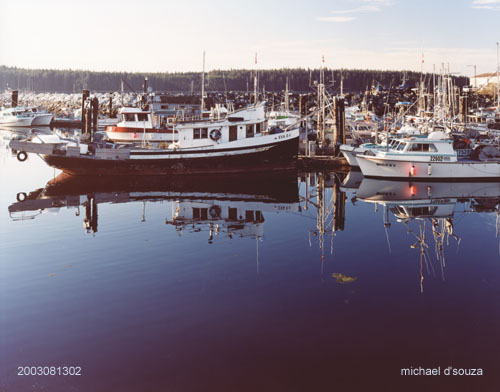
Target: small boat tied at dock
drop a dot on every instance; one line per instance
(236, 143)
(16, 117)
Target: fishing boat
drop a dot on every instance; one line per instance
(239, 142)
(431, 158)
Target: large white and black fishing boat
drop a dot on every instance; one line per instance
(238, 142)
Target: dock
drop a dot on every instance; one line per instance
(66, 123)
(322, 162)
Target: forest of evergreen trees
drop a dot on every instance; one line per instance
(300, 80)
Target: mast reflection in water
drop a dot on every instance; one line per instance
(437, 204)
(165, 292)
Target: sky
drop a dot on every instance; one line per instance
(169, 36)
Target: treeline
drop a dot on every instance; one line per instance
(299, 80)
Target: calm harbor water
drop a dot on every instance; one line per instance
(297, 282)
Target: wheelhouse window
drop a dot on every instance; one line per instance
(401, 146)
(250, 130)
(200, 133)
(232, 214)
(129, 117)
(142, 117)
(258, 128)
(423, 147)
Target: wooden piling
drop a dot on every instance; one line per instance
(95, 113)
(339, 128)
(463, 108)
(110, 107)
(15, 95)
(339, 199)
(85, 95)
(88, 120)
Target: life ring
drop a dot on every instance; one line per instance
(21, 196)
(214, 211)
(215, 134)
(22, 156)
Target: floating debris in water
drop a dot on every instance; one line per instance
(341, 278)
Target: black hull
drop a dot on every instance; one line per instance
(279, 157)
(275, 187)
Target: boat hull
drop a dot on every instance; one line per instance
(374, 167)
(278, 156)
(42, 119)
(349, 154)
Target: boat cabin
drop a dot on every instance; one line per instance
(137, 118)
(420, 149)
(240, 125)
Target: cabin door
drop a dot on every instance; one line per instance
(233, 133)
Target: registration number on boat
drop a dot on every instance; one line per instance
(437, 158)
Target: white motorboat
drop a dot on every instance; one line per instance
(40, 117)
(15, 117)
(428, 159)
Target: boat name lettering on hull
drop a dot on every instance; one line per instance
(439, 158)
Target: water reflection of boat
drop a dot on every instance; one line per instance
(232, 205)
(408, 192)
(25, 131)
(434, 203)
(352, 181)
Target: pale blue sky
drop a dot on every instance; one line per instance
(161, 36)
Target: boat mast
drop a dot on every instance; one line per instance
(434, 86)
(421, 103)
(203, 86)
(321, 103)
(255, 81)
(287, 103)
(122, 90)
(341, 83)
(498, 81)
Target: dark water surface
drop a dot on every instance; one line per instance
(225, 284)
